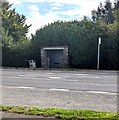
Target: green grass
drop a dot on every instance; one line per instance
(61, 113)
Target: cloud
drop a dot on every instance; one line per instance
(25, 1)
(89, 3)
(33, 8)
(15, 1)
(56, 11)
(56, 6)
(37, 20)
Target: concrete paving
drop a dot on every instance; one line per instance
(15, 116)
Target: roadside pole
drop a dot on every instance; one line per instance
(98, 56)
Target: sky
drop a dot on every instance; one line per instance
(42, 12)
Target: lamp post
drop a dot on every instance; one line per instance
(98, 56)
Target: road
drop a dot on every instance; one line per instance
(73, 80)
(83, 89)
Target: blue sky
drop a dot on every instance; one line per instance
(42, 12)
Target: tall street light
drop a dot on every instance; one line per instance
(98, 56)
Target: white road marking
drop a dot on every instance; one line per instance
(66, 76)
(19, 87)
(21, 75)
(56, 89)
(63, 90)
(54, 77)
(22, 87)
(81, 74)
(94, 92)
(102, 92)
(97, 84)
(95, 77)
(86, 76)
(25, 77)
(49, 73)
(31, 75)
(73, 80)
(13, 77)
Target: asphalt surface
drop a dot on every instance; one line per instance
(83, 89)
(74, 80)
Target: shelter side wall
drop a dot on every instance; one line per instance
(44, 61)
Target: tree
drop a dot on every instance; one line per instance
(80, 36)
(14, 40)
(104, 13)
(13, 23)
(113, 42)
(116, 4)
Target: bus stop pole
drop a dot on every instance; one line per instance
(98, 56)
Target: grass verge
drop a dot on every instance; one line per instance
(61, 113)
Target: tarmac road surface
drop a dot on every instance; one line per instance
(104, 81)
(83, 89)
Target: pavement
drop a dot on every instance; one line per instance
(15, 116)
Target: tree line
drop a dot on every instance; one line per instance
(80, 36)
